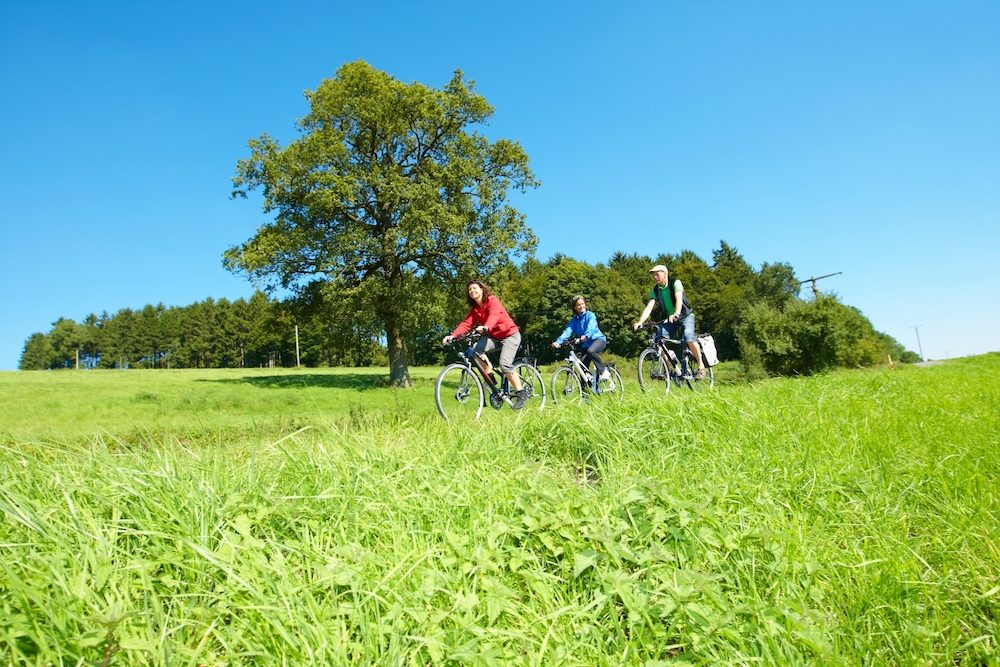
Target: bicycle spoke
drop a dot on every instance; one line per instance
(459, 393)
(566, 386)
(532, 380)
(611, 389)
(691, 376)
(652, 371)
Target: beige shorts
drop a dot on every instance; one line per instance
(508, 349)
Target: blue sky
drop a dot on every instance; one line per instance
(851, 136)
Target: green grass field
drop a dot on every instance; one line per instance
(318, 517)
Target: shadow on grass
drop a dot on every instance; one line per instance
(355, 381)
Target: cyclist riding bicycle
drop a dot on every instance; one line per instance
(669, 294)
(583, 326)
(487, 315)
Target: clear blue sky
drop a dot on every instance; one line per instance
(855, 136)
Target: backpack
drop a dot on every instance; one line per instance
(708, 353)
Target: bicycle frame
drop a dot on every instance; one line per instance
(500, 390)
(681, 353)
(573, 361)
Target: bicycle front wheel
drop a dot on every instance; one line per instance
(459, 393)
(652, 371)
(566, 386)
(532, 380)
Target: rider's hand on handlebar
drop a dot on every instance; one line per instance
(555, 345)
(447, 339)
(636, 326)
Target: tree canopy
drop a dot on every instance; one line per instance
(388, 186)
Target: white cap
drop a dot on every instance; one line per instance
(658, 267)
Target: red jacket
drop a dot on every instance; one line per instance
(490, 314)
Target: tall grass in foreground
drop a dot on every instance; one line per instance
(844, 519)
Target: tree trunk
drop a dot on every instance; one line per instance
(399, 372)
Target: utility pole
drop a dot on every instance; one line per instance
(296, 345)
(915, 328)
(814, 279)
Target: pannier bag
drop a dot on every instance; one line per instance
(708, 353)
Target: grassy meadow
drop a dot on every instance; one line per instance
(316, 516)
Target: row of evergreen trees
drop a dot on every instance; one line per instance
(209, 334)
(755, 315)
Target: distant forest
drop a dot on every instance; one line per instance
(756, 316)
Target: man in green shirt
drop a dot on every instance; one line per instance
(680, 317)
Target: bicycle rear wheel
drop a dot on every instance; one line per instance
(459, 393)
(531, 379)
(691, 379)
(566, 386)
(652, 371)
(611, 389)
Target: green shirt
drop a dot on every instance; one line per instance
(666, 299)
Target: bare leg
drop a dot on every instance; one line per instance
(514, 379)
(696, 352)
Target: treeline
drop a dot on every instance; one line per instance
(259, 332)
(755, 315)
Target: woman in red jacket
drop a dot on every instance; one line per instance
(487, 315)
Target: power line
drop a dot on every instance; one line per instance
(814, 279)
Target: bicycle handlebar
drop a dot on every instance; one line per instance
(653, 326)
(570, 342)
(650, 325)
(467, 338)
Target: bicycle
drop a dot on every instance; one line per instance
(573, 381)
(659, 362)
(461, 388)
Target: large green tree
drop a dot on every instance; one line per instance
(388, 183)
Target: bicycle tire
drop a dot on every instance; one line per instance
(612, 389)
(530, 377)
(652, 371)
(691, 381)
(566, 386)
(459, 393)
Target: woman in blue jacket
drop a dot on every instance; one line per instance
(583, 325)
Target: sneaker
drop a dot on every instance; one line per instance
(518, 398)
(606, 375)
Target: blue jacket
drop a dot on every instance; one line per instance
(582, 324)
